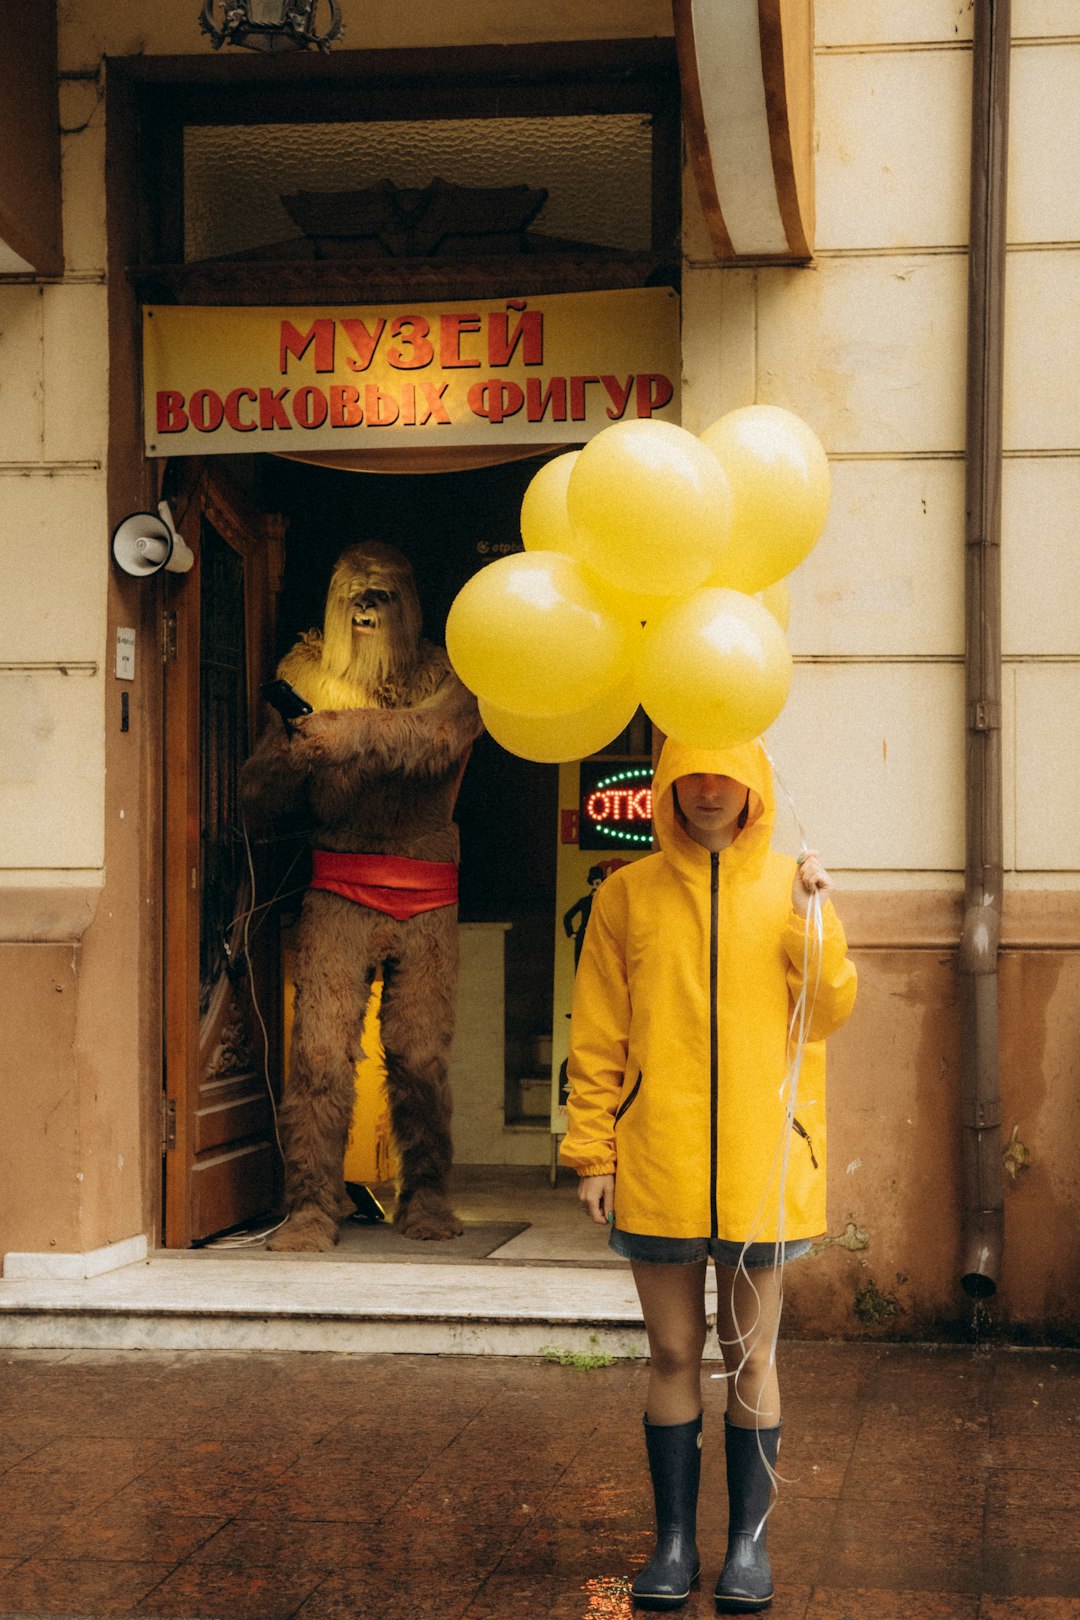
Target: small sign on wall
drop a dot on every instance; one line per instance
(125, 654)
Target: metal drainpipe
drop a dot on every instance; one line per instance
(983, 1179)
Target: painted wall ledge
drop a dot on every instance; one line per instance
(931, 919)
(48, 906)
(76, 1267)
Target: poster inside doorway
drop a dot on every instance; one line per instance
(605, 821)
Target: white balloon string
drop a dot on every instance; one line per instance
(782, 785)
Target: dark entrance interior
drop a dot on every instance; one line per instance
(448, 525)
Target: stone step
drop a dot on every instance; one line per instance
(199, 1302)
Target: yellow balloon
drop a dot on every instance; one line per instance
(777, 598)
(715, 671)
(779, 478)
(545, 522)
(529, 633)
(634, 607)
(649, 511)
(556, 739)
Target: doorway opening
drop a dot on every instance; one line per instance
(448, 525)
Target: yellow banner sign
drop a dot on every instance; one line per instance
(547, 370)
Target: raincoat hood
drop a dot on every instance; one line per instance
(747, 763)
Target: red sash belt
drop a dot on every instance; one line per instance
(400, 887)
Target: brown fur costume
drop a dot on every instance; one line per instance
(376, 769)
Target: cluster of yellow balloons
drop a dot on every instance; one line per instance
(653, 573)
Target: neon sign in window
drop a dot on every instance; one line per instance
(616, 805)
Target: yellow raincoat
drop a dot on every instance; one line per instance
(679, 1043)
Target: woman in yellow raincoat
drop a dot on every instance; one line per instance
(685, 1132)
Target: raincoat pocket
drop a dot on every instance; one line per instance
(628, 1100)
(802, 1131)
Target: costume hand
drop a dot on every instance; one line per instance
(313, 732)
(597, 1195)
(810, 875)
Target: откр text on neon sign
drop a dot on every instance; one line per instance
(619, 804)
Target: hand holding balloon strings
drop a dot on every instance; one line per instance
(810, 881)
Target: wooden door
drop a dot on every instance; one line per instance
(222, 975)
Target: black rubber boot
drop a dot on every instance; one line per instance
(675, 1465)
(745, 1583)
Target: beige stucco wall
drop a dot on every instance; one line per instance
(868, 345)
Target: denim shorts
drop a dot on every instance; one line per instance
(662, 1251)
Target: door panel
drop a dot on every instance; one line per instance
(222, 987)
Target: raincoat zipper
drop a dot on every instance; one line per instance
(714, 1037)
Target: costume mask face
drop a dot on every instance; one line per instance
(371, 629)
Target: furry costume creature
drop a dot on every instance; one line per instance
(374, 772)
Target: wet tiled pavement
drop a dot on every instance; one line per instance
(924, 1484)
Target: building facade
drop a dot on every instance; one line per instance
(865, 335)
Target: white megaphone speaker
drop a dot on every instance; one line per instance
(142, 544)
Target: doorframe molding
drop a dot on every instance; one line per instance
(258, 539)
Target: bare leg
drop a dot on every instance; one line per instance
(418, 1005)
(747, 1319)
(673, 1305)
(331, 995)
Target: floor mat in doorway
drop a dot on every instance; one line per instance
(381, 1241)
